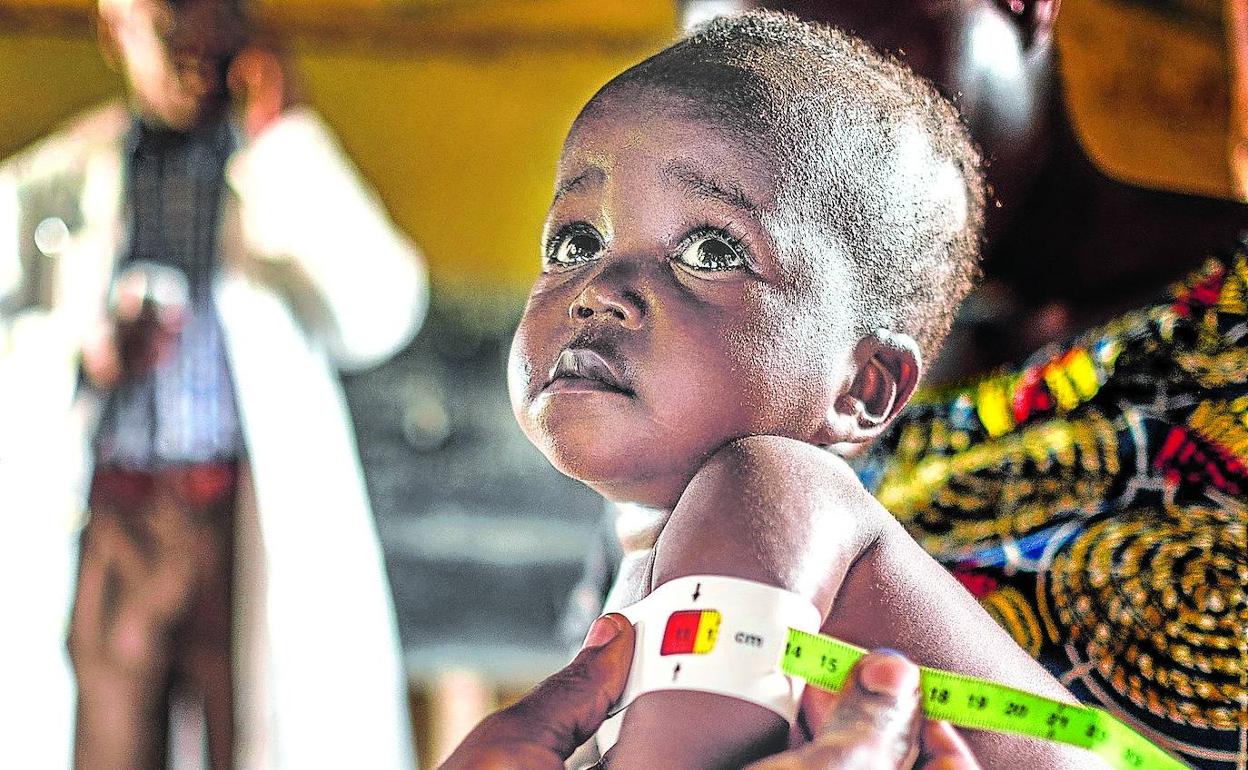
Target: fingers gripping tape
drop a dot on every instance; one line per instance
(758, 643)
(717, 634)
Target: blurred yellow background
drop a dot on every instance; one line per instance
(454, 110)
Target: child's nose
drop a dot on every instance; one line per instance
(601, 299)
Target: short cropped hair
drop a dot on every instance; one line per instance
(835, 118)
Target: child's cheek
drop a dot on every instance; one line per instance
(524, 361)
(774, 356)
(519, 374)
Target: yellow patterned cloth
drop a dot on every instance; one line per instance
(1096, 501)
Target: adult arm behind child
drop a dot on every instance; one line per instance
(785, 513)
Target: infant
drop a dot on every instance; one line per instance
(757, 238)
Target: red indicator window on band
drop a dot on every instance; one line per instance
(690, 632)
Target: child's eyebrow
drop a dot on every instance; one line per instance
(700, 184)
(591, 175)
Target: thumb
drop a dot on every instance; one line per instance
(872, 724)
(881, 700)
(567, 708)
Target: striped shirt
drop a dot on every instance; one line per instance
(184, 410)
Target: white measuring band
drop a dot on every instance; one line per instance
(717, 634)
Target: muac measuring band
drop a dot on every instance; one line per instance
(982, 705)
(719, 634)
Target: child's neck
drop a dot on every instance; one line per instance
(638, 526)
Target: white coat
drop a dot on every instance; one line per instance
(313, 276)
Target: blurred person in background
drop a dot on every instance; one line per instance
(180, 276)
(1092, 497)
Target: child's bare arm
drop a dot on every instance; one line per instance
(897, 596)
(737, 518)
(788, 514)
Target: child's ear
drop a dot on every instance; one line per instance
(888, 366)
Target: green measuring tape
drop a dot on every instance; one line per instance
(968, 702)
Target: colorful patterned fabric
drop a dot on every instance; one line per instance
(1096, 502)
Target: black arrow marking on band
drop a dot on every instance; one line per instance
(675, 672)
(697, 591)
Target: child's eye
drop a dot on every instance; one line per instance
(572, 246)
(712, 250)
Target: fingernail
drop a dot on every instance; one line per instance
(888, 673)
(602, 631)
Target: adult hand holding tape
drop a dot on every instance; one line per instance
(872, 725)
(753, 642)
(757, 643)
(543, 728)
(875, 722)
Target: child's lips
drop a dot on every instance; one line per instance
(580, 370)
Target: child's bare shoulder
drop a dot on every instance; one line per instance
(775, 476)
(771, 509)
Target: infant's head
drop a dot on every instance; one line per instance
(763, 229)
